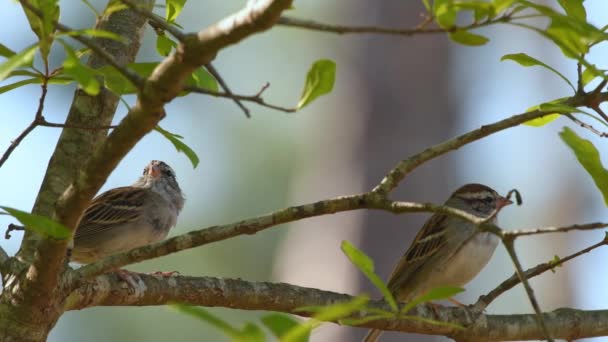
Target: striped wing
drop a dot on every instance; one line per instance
(427, 242)
(115, 207)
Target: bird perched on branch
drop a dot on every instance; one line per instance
(447, 251)
(124, 218)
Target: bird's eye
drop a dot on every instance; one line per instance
(168, 172)
(488, 200)
(145, 170)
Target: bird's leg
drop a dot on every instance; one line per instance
(457, 303)
(130, 278)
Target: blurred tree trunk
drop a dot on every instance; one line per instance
(408, 111)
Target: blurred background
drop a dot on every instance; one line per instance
(393, 97)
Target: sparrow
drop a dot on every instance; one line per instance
(128, 217)
(447, 251)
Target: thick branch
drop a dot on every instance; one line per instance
(72, 150)
(110, 290)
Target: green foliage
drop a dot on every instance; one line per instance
(366, 265)
(120, 85)
(176, 140)
(331, 312)
(468, 38)
(280, 325)
(319, 81)
(249, 333)
(43, 26)
(588, 156)
(83, 74)
(172, 9)
(525, 60)
(17, 60)
(39, 224)
(5, 51)
(164, 45)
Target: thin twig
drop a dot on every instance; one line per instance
(509, 245)
(32, 125)
(580, 88)
(343, 29)
(539, 269)
(158, 21)
(250, 98)
(45, 123)
(545, 230)
(213, 71)
(404, 167)
(586, 125)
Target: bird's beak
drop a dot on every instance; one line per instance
(502, 202)
(154, 171)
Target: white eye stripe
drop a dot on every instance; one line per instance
(477, 195)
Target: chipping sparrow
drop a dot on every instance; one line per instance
(447, 251)
(124, 218)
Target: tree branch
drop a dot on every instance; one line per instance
(110, 290)
(546, 230)
(343, 29)
(257, 98)
(511, 282)
(404, 167)
(540, 320)
(213, 71)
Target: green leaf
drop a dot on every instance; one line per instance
(280, 324)
(94, 33)
(502, 5)
(164, 45)
(40, 224)
(82, 74)
(468, 38)
(203, 79)
(18, 84)
(525, 60)
(541, 121)
(118, 84)
(437, 293)
(427, 5)
(173, 8)
(319, 81)
(22, 58)
(179, 145)
(328, 313)
(589, 74)
(114, 7)
(574, 8)
(555, 262)
(366, 265)
(251, 333)
(445, 13)
(43, 27)
(589, 158)
(6, 52)
(209, 318)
